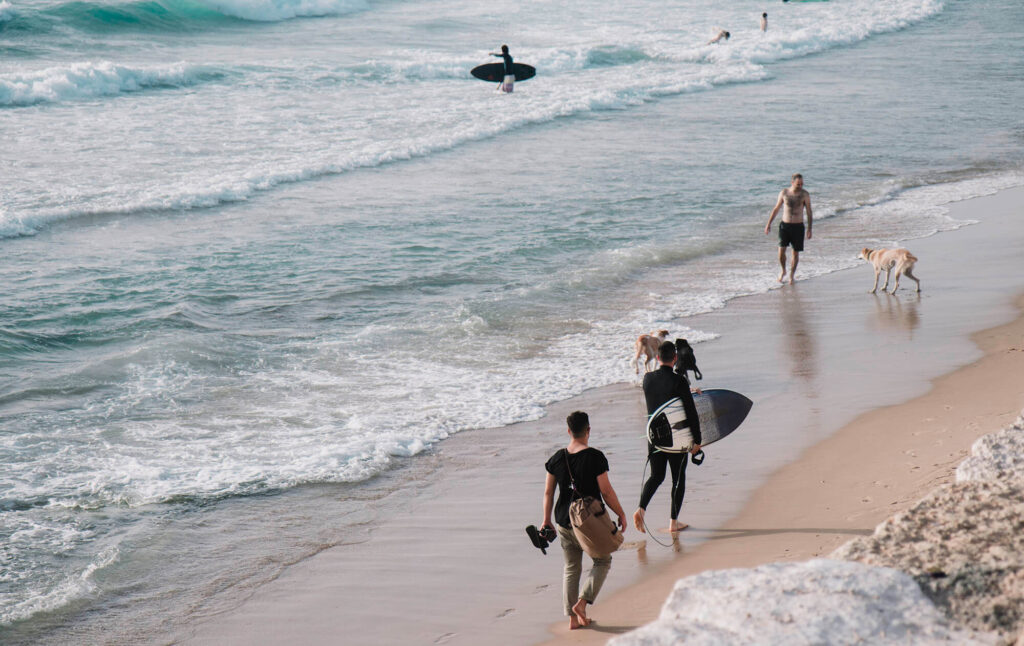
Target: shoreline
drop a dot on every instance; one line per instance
(817, 503)
(784, 521)
(447, 560)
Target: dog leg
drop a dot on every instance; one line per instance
(875, 288)
(888, 274)
(909, 273)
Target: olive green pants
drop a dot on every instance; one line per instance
(573, 555)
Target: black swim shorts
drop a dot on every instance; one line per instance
(791, 234)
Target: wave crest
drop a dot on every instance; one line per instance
(89, 80)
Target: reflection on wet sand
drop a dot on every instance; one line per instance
(641, 546)
(895, 314)
(800, 345)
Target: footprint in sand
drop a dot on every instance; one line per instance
(504, 613)
(540, 588)
(444, 639)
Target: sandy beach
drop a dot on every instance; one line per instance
(864, 403)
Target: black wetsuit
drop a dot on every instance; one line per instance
(660, 386)
(508, 63)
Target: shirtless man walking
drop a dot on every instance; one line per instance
(791, 229)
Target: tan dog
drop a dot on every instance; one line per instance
(888, 259)
(647, 345)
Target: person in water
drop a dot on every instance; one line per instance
(722, 34)
(589, 470)
(764, 21)
(508, 83)
(791, 230)
(661, 386)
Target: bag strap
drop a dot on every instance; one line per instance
(572, 480)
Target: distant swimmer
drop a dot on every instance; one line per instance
(508, 83)
(791, 230)
(764, 21)
(722, 34)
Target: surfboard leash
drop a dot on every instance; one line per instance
(643, 475)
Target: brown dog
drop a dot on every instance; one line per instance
(647, 345)
(888, 259)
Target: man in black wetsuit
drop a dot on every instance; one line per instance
(508, 83)
(659, 387)
(589, 470)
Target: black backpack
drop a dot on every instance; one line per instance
(685, 360)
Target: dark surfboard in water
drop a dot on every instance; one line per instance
(495, 72)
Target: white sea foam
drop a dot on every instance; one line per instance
(275, 10)
(7, 12)
(93, 79)
(639, 68)
(820, 601)
(44, 543)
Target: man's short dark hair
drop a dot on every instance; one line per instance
(667, 351)
(578, 422)
(796, 176)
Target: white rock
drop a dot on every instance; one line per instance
(822, 601)
(997, 456)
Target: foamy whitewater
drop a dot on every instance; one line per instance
(250, 247)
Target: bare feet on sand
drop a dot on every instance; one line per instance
(676, 526)
(638, 520)
(579, 615)
(782, 276)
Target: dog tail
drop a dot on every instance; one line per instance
(911, 257)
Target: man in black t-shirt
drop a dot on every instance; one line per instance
(589, 470)
(661, 386)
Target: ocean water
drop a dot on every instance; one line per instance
(251, 250)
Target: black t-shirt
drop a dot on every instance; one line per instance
(586, 466)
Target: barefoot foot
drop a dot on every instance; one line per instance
(580, 611)
(676, 526)
(638, 520)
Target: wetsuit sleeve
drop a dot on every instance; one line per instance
(690, 408)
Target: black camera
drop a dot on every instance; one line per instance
(542, 537)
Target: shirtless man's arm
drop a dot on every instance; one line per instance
(810, 217)
(775, 211)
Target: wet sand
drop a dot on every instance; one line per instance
(853, 420)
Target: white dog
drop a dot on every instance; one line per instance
(647, 345)
(888, 259)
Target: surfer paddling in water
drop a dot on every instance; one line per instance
(721, 35)
(791, 230)
(660, 386)
(587, 467)
(508, 83)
